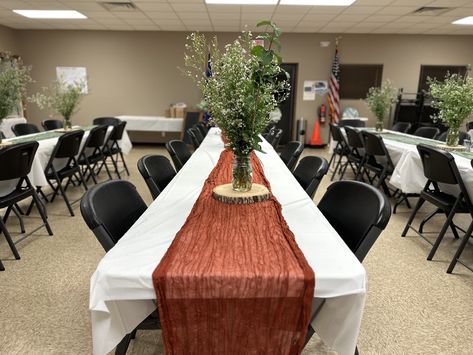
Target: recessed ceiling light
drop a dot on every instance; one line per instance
(318, 2)
(464, 21)
(242, 2)
(51, 14)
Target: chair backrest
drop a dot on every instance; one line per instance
(179, 153)
(22, 129)
(310, 172)
(16, 160)
(192, 133)
(200, 137)
(202, 128)
(374, 144)
(110, 208)
(192, 118)
(106, 121)
(403, 127)
(353, 137)
(427, 132)
(49, 125)
(68, 145)
(461, 137)
(290, 154)
(336, 133)
(96, 137)
(439, 165)
(358, 227)
(117, 132)
(353, 122)
(157, 172)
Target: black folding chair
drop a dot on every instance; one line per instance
(202, 128)
(310, 172)
(290, 154)
(192, 118)
(49, 125)
(273, 136)
(179, 153)
(356, 152)
(92, 153)
(22, 129)
(341, 149)
(461, 137)
(63, 166)
(461, 247)
(106, 121)
(440, 168)
(19, 158)
(157, 172)
(110, 209)
(403, 127)
(113, 150)
(427, 132)
(358, 227)
(196, 137)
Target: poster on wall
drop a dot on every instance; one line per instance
(73, 76)
(309, 90)
(321, 87)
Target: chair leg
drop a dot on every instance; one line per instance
(453, 228)
(107, 169)
(122, 347)
(2, 268)
(459, 251)
(63, 194)
(428, 218)
(42, 212)
(20, 218)
(10, 242)
(419, 204)
(442, 233)
(115, 166)
(337, 167)
(123, 162)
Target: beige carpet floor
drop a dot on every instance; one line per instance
(413, 306)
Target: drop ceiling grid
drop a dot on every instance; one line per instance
(364, 16)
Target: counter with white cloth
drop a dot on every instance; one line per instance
(153, 129)
(122, 292)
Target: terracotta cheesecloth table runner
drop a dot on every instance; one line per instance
(234, 280)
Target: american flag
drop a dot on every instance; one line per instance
(334, 89)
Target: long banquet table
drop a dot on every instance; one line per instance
(47, 141)
(122, 292)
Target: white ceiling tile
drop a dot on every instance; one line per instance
(397, 10)
(145, 28)
(193, 15)
(142, 22)
(47, 5)
(269, 9)
(223, 16)
(326, 10)
(382, 18)
(224, 8)
(350, 18)
(286, 17)
(228, 29)
(85, 5)
(130, 15)
(353, 10)
(167, 22)
(449, 3)
(371, 2)
(285, 9)
(413, 18)
(162, 15)
(189, 7)
(418, 3)
(98, 14)
(151, 6)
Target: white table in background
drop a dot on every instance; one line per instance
(122, 292)
(152, 123)
(8, 123)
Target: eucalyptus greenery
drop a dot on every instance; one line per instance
(380, 99)
(61, 98)
(453, 98)
(13, 80)
(247, 83)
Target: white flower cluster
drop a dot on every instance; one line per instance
(380, 99)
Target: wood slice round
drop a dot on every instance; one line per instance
(226, 194)
(450, 148)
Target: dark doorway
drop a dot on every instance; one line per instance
(287, 107)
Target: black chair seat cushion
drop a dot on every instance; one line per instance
(64, 172)
(94, 158)
(14, 197)
(443, 200)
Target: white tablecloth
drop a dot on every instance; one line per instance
(122, 292)
(42, 156)
(408, 174)
(152, 123)
(8, 123)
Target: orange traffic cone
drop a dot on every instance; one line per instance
(315, 140)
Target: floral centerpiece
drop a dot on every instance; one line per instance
(380, 100)
(13, 80)
(453, 98)
(247, 83)
(62, 98)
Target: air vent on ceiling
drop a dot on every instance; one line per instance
(118, 6)
(431, 10)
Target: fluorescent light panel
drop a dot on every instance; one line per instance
(51, 14)
(318, 2)
(464, 21)
(242, 2)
